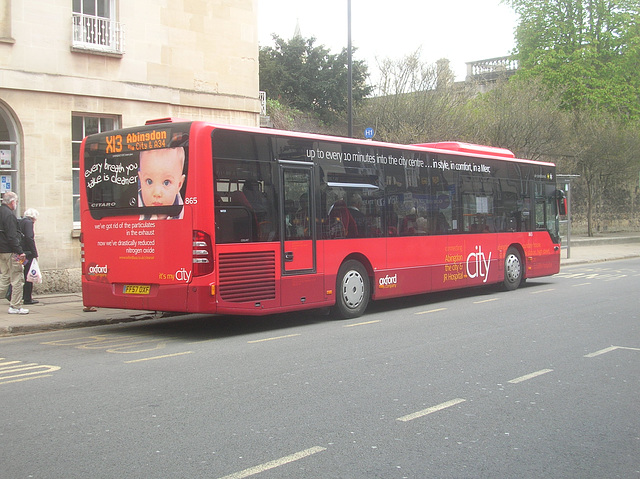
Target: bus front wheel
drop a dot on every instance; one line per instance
(513, 270)
(352, 290)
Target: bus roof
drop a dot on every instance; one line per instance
(168, 119)
(469, 148)
(455, 147)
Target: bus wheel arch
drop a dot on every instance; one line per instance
(514, 268)
(353, 287)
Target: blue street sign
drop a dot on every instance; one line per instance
(368, 133)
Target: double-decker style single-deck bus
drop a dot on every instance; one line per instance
(203, 218)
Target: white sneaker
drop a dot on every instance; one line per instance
(18, 311)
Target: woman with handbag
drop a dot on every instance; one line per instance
(26, 226)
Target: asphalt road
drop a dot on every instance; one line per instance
(540, 382)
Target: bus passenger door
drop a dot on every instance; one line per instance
(300, 282)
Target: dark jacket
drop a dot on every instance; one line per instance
(28, 237)
(9, 237)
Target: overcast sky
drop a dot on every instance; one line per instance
(459, 30)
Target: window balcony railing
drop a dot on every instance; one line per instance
(97, 34)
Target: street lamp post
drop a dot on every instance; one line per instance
(350, 72)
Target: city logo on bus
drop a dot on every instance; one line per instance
(388, 282)
(478, 264)
(183, 275)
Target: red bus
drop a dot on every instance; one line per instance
(201, 218)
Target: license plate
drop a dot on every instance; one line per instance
(137, 289)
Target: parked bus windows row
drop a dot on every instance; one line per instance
(418, 202)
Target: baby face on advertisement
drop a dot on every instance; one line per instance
(161, 176)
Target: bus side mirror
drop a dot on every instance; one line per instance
(561, 201)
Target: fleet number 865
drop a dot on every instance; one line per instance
(191, 200)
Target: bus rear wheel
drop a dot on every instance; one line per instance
(513, 270)
(353, 290)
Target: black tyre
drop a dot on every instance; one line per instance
(513, 270)
(353, 290)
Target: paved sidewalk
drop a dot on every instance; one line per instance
(59, 311)
(601, 248)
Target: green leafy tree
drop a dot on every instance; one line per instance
(310, 78)
(589, 49)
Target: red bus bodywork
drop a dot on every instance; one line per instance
(176, 265)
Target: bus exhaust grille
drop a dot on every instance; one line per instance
(247, 276)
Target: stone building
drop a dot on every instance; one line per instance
(69, 68)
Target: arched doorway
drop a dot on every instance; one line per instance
(10, 151)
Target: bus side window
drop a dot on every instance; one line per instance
(391, 220)
(341, 222)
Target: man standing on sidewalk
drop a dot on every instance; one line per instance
(11, 254)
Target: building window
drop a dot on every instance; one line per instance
(95, 27)
(5, 22)
(81, 126)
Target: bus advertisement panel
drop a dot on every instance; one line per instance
(196, 217)
(136, 232)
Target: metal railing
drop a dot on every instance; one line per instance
(97, 34)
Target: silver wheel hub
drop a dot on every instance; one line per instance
(513, 268)
(353, 289)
